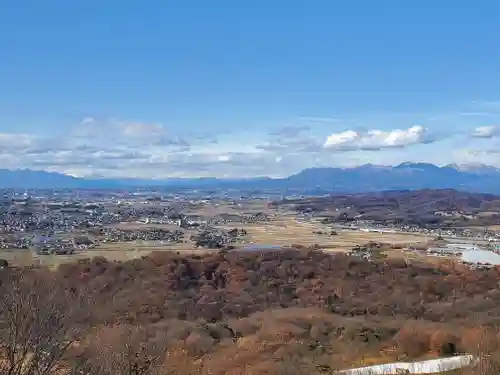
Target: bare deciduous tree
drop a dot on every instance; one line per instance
(37, 324)
(128, 350)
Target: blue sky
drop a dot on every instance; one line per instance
(226, 88)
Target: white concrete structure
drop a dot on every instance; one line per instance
(423, 367)
(481, 256)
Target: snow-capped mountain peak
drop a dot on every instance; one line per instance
(477, 168)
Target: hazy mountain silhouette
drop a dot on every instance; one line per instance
(363, 178)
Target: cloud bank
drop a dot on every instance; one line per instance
(489, 131)
(116, 148)
(350, 140)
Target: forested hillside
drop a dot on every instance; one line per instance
(292, 312)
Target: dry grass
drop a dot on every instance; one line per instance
(214, 208)
(419, 258)
(288, 231)
(118, 251)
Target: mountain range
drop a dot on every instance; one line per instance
(471, 177)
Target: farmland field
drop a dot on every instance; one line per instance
(285, 230)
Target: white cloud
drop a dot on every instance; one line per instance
(87, 120)
(350, 140)
(348, 137)
(486, 131)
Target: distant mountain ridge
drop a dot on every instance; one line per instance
(368, 177)
(31, 179)
(400, 177)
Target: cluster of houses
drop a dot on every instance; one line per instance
(14, 242)
(43, 245)
(64, 224)
(214, 238)
(370, 226)
(150, 234)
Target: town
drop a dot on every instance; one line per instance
(51, 227)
